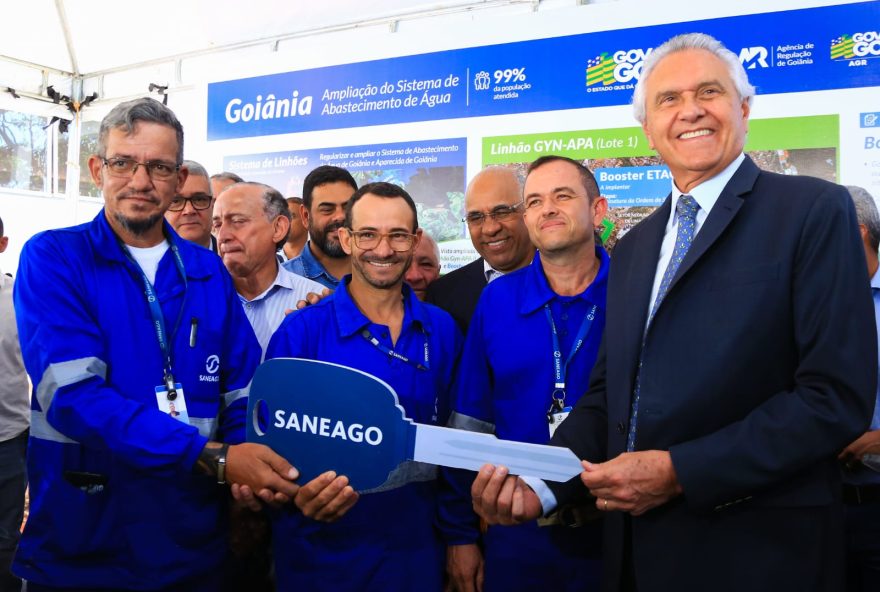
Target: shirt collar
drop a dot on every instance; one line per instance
(707, 192)
(875, 281)
(538, 292)
(312, 268)
(282, 279)
(351, 320)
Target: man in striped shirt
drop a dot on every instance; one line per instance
(251, 221)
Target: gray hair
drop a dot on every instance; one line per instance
(274, 204)
(227, 176)
(125, 116)
(866, 212)
(195, 169)
(682, 43)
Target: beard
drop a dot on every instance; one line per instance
(138, 227)
(330, 247)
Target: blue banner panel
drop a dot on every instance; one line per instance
(432, 171)
(793, 51)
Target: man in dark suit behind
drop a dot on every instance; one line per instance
(493, 202)
(739, 357)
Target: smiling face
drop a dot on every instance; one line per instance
(559, 214)
(380, 267)
(134, 205)
(504, 243)
(695, 118)
(325, 217)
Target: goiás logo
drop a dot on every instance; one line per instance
(616, 71)
(857, 48)
(212, 366)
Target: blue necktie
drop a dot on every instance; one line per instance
(686, 209)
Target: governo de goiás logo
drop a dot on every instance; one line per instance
(856, 48)
(212, 364)
(616, 71)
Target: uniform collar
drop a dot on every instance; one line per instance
(108, 246)
(351, 320)
(538, 292)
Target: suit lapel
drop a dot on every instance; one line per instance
(722, 214)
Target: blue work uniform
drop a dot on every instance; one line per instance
(389, 540)
(505, 386)
(115, 502)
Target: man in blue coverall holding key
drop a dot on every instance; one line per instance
(119, 320)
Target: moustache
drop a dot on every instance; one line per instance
(333, 226)
(133, 194)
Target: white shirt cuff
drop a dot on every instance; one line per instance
(548, 500)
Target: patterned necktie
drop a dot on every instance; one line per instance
(686, 209)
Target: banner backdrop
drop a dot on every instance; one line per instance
(829, 48)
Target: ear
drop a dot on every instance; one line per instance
(345, 238)
(96, 163)
(746, 111)
(418, 239)
(600, 210)
(182, 174)
(648, 135)
(304, 215)
(281, 228)
(4, 242)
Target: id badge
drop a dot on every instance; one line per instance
(175, 408)
(554, 419)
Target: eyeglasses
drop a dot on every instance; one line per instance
(127, 167)
(200, 201)
(400, 242)
(498, 214)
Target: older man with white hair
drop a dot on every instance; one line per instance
(736, 364)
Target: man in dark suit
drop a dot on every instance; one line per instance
(737, 360)
(493, 202)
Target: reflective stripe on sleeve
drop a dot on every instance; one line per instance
(41, 429)
(63, 374)
(207, 426)
(233, 396)
(460, 421)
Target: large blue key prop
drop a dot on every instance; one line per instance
(322, 416)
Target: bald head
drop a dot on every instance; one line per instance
(425, 266)
(495, 220)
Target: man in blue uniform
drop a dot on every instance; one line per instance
(530, 348)
(375, 323)
(119, 319)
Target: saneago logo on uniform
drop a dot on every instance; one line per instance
(856, 48)
(621, 67)
(212, 366)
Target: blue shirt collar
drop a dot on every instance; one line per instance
(538, 291)
(875, 281)
(312, 268)
(351, 320)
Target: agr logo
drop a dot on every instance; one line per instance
(754, 57)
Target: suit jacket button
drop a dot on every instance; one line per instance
(621, 428)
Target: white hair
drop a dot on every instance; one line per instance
(682, 43)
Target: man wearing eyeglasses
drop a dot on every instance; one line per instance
(372, 322)
(494, 218)
(530, 347)
(119, 318)
(191, 209)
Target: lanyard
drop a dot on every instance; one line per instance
(560, 368)
(158, 317)
(369, 337)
